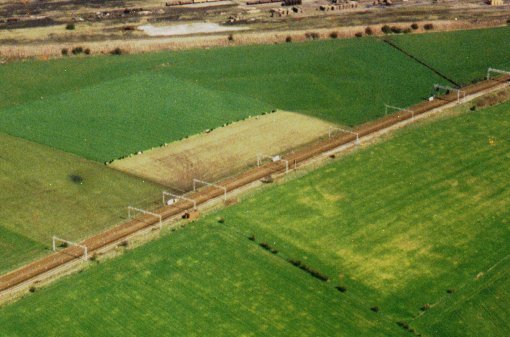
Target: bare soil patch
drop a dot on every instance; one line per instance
(186, 29)
(225, 151)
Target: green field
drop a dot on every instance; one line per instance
(205, 280)
(462, 56)
(401, 222)
(397, 224)
(106, 107)
(39, 198)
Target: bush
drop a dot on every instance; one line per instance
(77, 50)
(288, 39)
(341, 289)
(116, 51)
(508, 22)
(312, 36)
(386, 29)
(268, 247)
(428, 26)
(65, 51)
(414, 26)
(124, 244)
(425, 307)
(452, 290)
(32, 289)
(333, 35)
(358, 34)
(87, 51)
(251, 237)
(407, 31)
(230, 37)
(403, 325)
(221, 220)
(309, 270)
(369, 31)
(375, 308)
(70, 26)
(396, 30)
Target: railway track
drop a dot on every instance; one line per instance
(52, 262)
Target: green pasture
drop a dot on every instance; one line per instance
(45, 192)
(206, 280)
(462, 56)
(419, 221)
(401, 222)
(105, 107)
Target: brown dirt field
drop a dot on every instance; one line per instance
(28, 272)
(224, 151)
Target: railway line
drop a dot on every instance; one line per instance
(52, 262)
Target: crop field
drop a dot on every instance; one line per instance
(205, 280)
(106, 107)
(402, 222)
(414, 229)
(47, 192)
(224, 151)
(463, 56)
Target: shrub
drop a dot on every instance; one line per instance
(70, 26)
(65, 51)
(407, 30)
(268, 247)
(63, 245)
(508, 22)
(87, 51)
(403, 325)
(221, 220)
(76, 178)
(428, 26)
(32, 289)
(396, 30)
(386, 29)
(414, 26)
(77, 50)
(369, 31)
(341, 289)
(309, 270)
(333, 35)
(288, 39)
(251, 237)
(358, 34)
(116, 51)
(230, 37)
(452, 290)
(124, 243)
(425, 307)
(375, 308)
(312, 36)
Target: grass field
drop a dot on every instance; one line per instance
(106, 107)
(397, 224)
(39, 198)
(402, 222)
(224, 151)
(205, 280)
(463, 56)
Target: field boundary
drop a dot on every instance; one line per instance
(416, 59)
(15, 283)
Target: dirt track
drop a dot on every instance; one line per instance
(30, 271)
